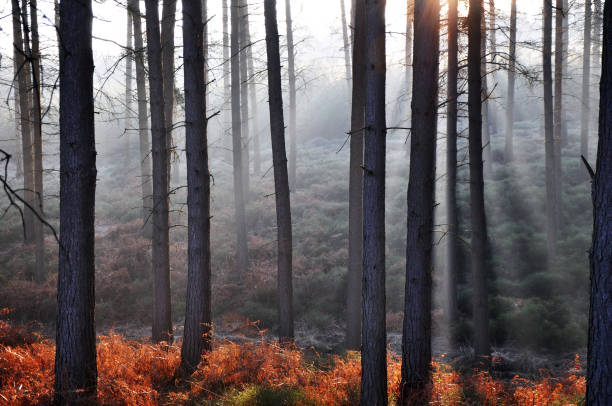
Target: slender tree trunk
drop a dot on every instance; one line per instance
(244, 96)
(509, 151)
(347, 45)
(242, 263)
(253, 100)
(374, 348)
(355, 248)
(551, 206)
(586, 82)
(18, 149)
(416, 340)
(479, 227)
(558, 104)
(23, 79)
(162, 315)
(227, 121)
(564, 66)
(451, 165)
(143, 121)
(36, 121)
(168, 23)
(198, 311)
(129, 80)
(599, 365)
(292, 99)
(281, 177)
(486, 136)
(75, 356)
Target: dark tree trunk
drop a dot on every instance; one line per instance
(599, 365)
(451, 166)
(479, 228)
(23, 80)
(143, 121)
(129, 84)
(586, 82)
(374, 343)
(75, 357)
(198, 311)
(292, 99)
(355, 248)
(244, 96)
(167, 51)
(416, 340)
(551, 184)
(36, 123)
(18, 149)
(162, 315)
(486, 136)
(242, 262)
(281, 178)
(509, 151)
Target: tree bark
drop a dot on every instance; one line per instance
(281, 177)
(451, 165)
(373, 353)
(244, 96)
(551, 201)
(292, 99)
(162, 315)
(599, 364)
(143, 121)
(347, 45)
(355, 248)
(240, 215)
(558, 103)
(36, 121)
(16, 115)
(586, 82)
(23, 79)
(168, 23)
(479, 228)
(509, 150)
(198, 310)
(129, 79)
(416, 340)
(75, 357)
(226, 83)
(486, 136)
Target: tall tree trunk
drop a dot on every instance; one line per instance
(227, 122)
(355, 248)
(75, 356)
(36, 121)
(509, 151)
(479, 227)
(240, 215)
(292, 99)
(564, 67)
(451, 165)
(551, 206)
(599, 364)
(18, 149)
(162, 315)
(486, 136)
(129, 80)
(558, 104)
(374, 346)
(23, 79)
(253, 100)
(416, 340)
(143, 121)
(586, 82)
(244, 96)
(347, 45)
(167, 51)
(198, 311)
(281, 177)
